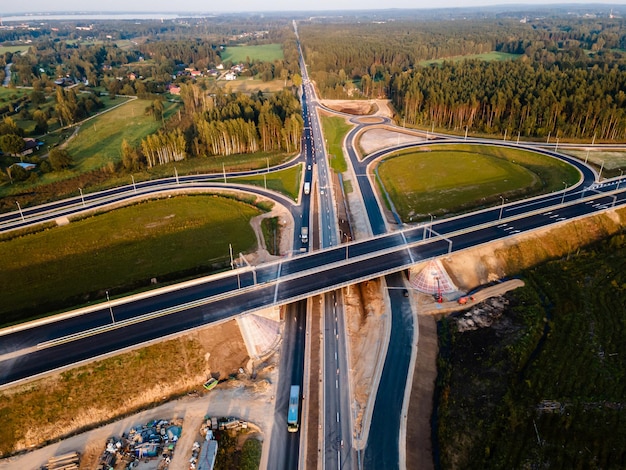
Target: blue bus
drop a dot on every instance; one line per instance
(292, 414)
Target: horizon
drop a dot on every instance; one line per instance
(117, 7)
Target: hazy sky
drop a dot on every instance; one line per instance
(33, 6)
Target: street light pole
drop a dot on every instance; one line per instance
(600, 174)
(430, 229)
(563, 197)
(621, 172)
(501, 207)
(82, 198)
(19, 208)
(134, 185)
(110, 308)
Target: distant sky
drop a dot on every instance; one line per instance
(170, 6)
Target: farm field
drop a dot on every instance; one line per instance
(450, 179)
(120, 251)
(263, 53)
(251, 85)
(559, 390)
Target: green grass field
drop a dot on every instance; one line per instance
(252, 85)
(335, 130)
(14, 49)
(99, 141)
(285, 181)
(120, 251)
(452, 179)
(263, 53)
(492, 56)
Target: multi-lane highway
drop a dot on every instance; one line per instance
(27, 351)
(43, 347)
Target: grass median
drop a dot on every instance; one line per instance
(335, 130)
(120, 251)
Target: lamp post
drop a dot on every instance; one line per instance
(600, 174)
(465, 132)
(110, 308)
(134, 185)
(430, 230)
(563, 197)
(19, 208)
(82, 198)
(232, 264)
(501, 207)
(621, 172)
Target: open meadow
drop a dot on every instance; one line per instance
(119, 251)
(262, 53)
(252, 85)
(449, 179)
(99, 140)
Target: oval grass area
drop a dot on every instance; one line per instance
(448, 179)
(120, 251)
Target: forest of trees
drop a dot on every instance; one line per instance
(569, 78)
(224, 124)
(515, 97)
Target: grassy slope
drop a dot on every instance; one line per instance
(99, 141)
(493, 382)
(335, 130)
(445, 179)
(263, 53)
(120, 250)
(283, 181)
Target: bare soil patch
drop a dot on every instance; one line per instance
(379, 138)
(357, 107)
(364, 308)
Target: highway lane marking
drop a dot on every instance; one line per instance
(120, 324)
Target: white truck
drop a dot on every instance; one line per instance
(304, 234)
(307, 187)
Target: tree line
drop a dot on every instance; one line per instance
(569, 77)
(515, 97)
(219, 123)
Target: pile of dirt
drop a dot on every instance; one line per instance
(487, 263)
(483, 315)
(364, 308)
(357, 107)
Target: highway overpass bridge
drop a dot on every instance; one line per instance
(29, 350)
